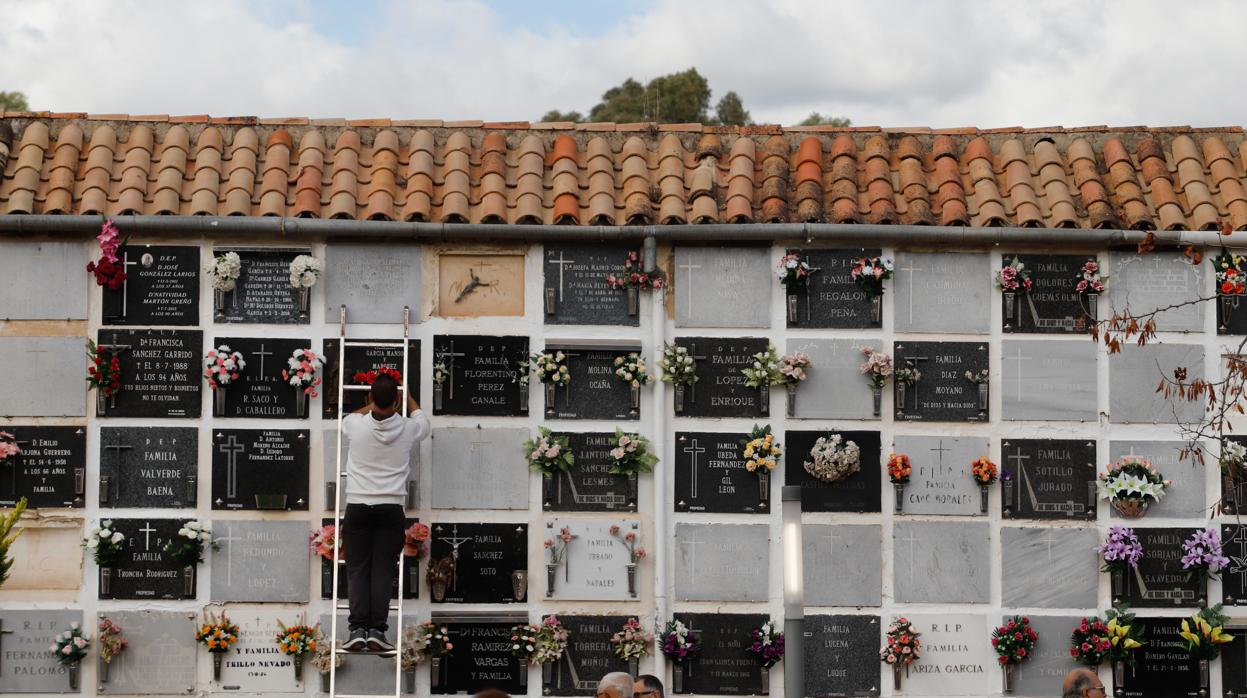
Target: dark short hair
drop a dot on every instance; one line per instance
(1082, 682)
(651, 683)
(384, 391)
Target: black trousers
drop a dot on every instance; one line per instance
(372, 536)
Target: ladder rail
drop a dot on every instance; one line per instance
(337, 503)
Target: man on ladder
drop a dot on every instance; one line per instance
(378, 462)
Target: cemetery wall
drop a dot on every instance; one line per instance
(1054, 396)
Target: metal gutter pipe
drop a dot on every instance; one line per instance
(308, 229)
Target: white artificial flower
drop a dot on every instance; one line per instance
(205, 536)
(93, 543)
(184, 532)
(107, 523)
(118, 537)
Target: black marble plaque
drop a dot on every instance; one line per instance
(50, 471)
(362, 360)
(1050, 479)
(1160, 581)
(1163, 668)
(484, 375)
(710, 475)
(842, 656)
(589, 486)
(594, 391)
(411, 574)
(482, 658)
(487, 557)
(576, 276)
(859, 492)
(161, 287)
(1231, 314)
(260, 392)
(724, 666)
(720, 390)
(263, 293)
(161, 372)
(943, 394)
(1234, 662)
(149, 467)
(832, 298)
(260, 469)
(589, 656)
(1234, 577)
(146, 572)
(1052, 306)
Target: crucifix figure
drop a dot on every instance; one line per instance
(450, 354)
(231, 448)
(1019, 359)
(147, 536)
(262, 353)
(454, 540)
(808, 294)
(693, 449)
(688, 287)
(228, 539)
(912, 282)
(562, 263)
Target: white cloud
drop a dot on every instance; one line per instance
(883, 62)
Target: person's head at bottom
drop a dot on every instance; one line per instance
(648, 686)
(614, 685)
(1082, 683)
(492, 693)
(384, 396)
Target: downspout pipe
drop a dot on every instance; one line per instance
(663, 473)
(314, 229)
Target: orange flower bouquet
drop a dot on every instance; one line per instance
(899, 471)
(296, 641)
(984, 472)
(218, 634)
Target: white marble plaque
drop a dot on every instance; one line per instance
(162, 656)
(722, 562)
(1048, 567)
(937, 562)
(941, 482)
(43, 561)
(43, 376)
(26, 665)
(476, 468)
(842, 564)
(957, 657)
(43, 280)
(1186, 498)
(373, 281)
(941, 292)
(255, 664)
(723, 287)
(1048, 380)
(1143, 283)
(596, 567)
(836, 387)
(1045, 669)
(1134, 374)
(261, 561)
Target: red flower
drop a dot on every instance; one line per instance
(1004, 660)
(1021, 651)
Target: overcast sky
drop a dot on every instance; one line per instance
(881, 62)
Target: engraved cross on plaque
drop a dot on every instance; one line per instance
(147, 535)
(911, 540)
(912, 282)
(12, 463)
(228, 539)
(562, 263)
(939, 450)
(688, 287)
(915, 362)
(1048, 540)
(690, 547)
(451, 354)
(692, 354)
(262, 353)
(1019, 359)
(125, 285)
(693, 449)
(231, 448)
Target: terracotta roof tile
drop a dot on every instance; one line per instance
(1174, 177)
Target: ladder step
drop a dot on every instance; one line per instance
(361, 695)
(377, 345)
(367, 653)
(347, 607)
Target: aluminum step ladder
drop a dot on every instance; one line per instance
(340, 493)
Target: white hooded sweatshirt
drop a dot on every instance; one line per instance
(378, 461)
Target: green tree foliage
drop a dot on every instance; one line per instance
(556, 115)
(816, 119)
(8, 534)
(13, 101)
(682, 97)
(731, 111)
